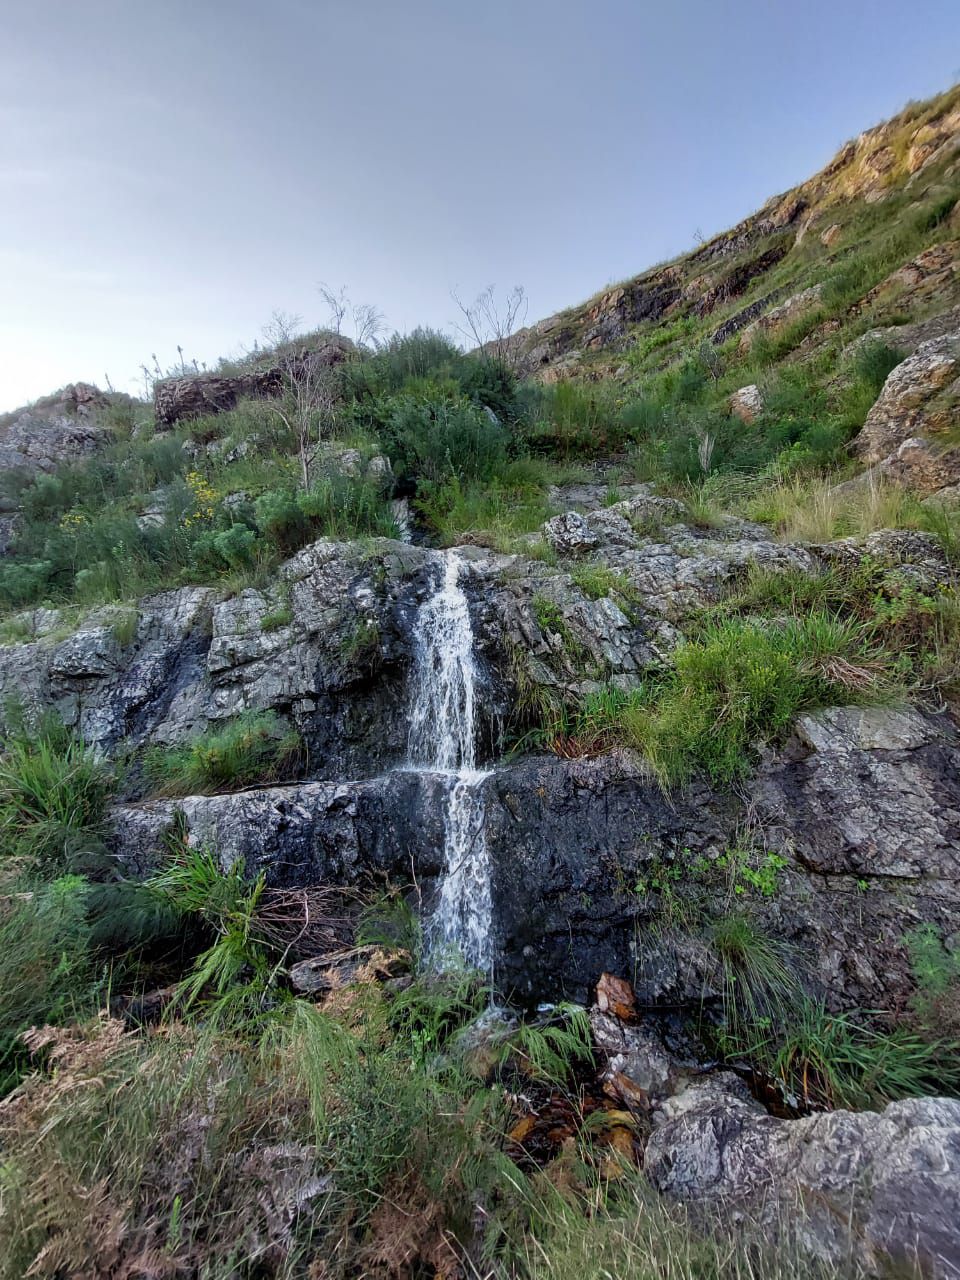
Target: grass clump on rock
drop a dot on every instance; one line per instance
(255, 748)
(742, 682)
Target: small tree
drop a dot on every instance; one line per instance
(307, 409)
(366, 321)
(489, 324)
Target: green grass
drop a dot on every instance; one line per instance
(740, 683)
(840, 1060)
(47, 967)
(53, 798)
(497, 513)
(598, 582)
(255, 748)
(756, 975)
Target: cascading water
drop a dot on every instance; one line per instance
(441, 739)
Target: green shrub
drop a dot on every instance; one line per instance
(496, 512)
(277, 618)
(936, 971)
(572, 420)
(256, 747)
(53, 798)
(433, 438)
(283, 520)
(46, 970)
(234, 972)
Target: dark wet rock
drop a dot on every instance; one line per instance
(301, 834)
(595, 869)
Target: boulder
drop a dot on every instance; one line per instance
(906, 433)
(886, 1183)
(194, 396)
(60, 428)
(747, 403)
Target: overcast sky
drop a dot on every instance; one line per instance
(173, 171)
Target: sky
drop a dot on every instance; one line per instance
(172, 172)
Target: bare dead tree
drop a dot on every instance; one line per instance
(365, 320)
(308, 405)
(489, 323)
(368, 324)
(282, 328)
(337, 305)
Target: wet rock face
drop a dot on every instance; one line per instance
(303, 834)
(595, 869)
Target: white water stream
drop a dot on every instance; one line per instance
(441, 739)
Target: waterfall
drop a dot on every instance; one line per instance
(441, 739)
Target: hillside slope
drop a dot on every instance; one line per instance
(892, 190)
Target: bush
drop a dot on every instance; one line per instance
(574, 419)
(53, 798)
(256, 747)
(433, 438)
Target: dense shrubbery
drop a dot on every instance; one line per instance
(432, 437)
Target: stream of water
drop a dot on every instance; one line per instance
(442, 739)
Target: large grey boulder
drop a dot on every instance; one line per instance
(906, 436)
(885, 1184)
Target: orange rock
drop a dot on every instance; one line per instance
(615, 995)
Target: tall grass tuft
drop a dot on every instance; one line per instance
(255, 748)
(53, 797)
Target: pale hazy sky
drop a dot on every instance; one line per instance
(172, 171)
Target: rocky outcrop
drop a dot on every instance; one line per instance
(912, 150)
(863, 808)
(923, 280)
(327, 647)
(194, 396)
(906, 436)
(60, 428)
(772, 322)
(708, 296)
(888, 1183)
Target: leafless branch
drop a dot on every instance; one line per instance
(489, 323)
